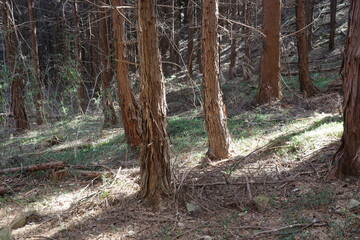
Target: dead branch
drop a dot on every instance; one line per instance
(35, 167)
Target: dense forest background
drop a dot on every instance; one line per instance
(178, 119)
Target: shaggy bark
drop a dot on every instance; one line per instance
(269, 84)
(214, 108)
(155, 155)
(306, 86)
(347, 157)
(129, 108)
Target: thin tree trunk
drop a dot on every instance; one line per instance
(17, 85)
(248, 61)
(175, 44)
(78, 56)
(190, 44)
(214, 108)
(110, 118)
(129, 108)
(306, 86)
(199, 40)
(269, 83)
(347, 157)
(233, 53)
(164, 42)
(155, 151)
(333, 4)
(310, 5)
(35, 52)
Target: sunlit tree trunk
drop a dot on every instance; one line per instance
(269, 83)
(129, 108)
(78, 56)
(306, 86)
(333, 4)
(214, 108)
(347, 157)
(110, 118)
(155, 157)
(35, 52)
(17, 86)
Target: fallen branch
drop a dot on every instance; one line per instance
(298, 225)
(35, 167)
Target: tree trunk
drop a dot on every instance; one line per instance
(164, 42)
(310, 5)
(248, 61)
(347, 157)
(78, 57)
(129, 108)
(269, 84)
(233, 53)
(110, 118)
(333, 4)
(214, 108)
(17, 85)
(306, 86)
(35, 52)
(175, 44)
(190, 44)
(155, 151)
(199, 39)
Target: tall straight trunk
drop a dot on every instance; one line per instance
(269, 82)
(233, 53)
(190, 43)
(175, 38)
(199, 40)
(129, 108)
(164, 38)
(17, 86)
(78, 59)
(333, 4)
(347, 157)
(306, 86)
(310, 5)
(155, 151)
(214, 108)
(110, 118)
(35, 53)
(248, 61)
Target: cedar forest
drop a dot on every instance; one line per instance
(179, 119)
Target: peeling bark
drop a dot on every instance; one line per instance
(155, 151)
(129, 108)
(347, 157)
(215, 114)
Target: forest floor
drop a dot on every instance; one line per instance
(275, 186)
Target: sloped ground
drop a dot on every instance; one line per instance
(274, 187)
